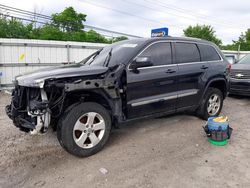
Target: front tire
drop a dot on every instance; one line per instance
(84, 129)
(211, 105)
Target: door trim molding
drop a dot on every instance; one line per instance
(165, 97)
(153, 100)
(194, 92)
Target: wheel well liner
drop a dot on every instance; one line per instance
(219, 84)
(99, 96)
(89, 96)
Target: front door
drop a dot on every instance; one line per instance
(153, 89)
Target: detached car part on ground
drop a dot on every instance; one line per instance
(125, 81)
(240, 77)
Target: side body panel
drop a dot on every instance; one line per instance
(151, 90)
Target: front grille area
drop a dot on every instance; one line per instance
(240, 74)
(21, 96)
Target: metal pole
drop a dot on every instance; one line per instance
(68, 53)
(238, 52)
(1, 74)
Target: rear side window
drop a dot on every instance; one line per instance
(160, 53)
(208, 53)
(186, 52)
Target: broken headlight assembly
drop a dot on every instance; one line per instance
(32, 108)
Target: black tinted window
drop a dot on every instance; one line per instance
(186, 52)
(208, 53)
(160, 53)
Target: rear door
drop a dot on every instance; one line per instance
(191, 75)
(153, 89)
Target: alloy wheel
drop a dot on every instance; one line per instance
(89, 130)
(214, 104)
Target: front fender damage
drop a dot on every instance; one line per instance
(110, 86)
(33, 109)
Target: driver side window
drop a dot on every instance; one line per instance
(160, 53)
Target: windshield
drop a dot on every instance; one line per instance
(245, 60)
(116, 53)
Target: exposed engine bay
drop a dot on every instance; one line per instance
(31, 109)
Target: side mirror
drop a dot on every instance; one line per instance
(141, 62)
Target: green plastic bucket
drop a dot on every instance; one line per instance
(218, 143)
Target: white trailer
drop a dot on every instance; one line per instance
(18, 56)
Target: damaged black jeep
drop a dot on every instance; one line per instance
(121, 82)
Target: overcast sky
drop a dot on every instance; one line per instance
(228, 17)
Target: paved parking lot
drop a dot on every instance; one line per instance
(164, 152)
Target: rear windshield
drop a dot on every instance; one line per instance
(245, 60)
(117, 53)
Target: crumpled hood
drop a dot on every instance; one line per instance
(59, 72)
(239, 66)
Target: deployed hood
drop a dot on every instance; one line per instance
(241, 66)
(34, 78)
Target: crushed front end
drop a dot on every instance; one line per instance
(31, 107)
(39, 101)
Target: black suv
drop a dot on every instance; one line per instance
(124, 81)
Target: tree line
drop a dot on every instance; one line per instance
(207, 32)
(65, 26)
(68, 26)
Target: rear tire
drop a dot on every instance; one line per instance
(84, 129)
(211, 104)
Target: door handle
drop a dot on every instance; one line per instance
(204, 67)
(170, 71)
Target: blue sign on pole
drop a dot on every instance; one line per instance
(160, 32)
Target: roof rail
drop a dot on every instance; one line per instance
(192, 38)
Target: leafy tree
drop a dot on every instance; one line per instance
(67, 25)
(69, 20)
(79, 36)
(243, 42)
(203, 32)
(3, 28)
(49, 32)
(13, 28)
(93, 36)
(117, 39)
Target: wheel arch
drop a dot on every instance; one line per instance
(97, 96)
(114, 106)
(218, 83)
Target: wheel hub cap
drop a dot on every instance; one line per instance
(89, 130)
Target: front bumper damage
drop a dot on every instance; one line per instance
(29, 109)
